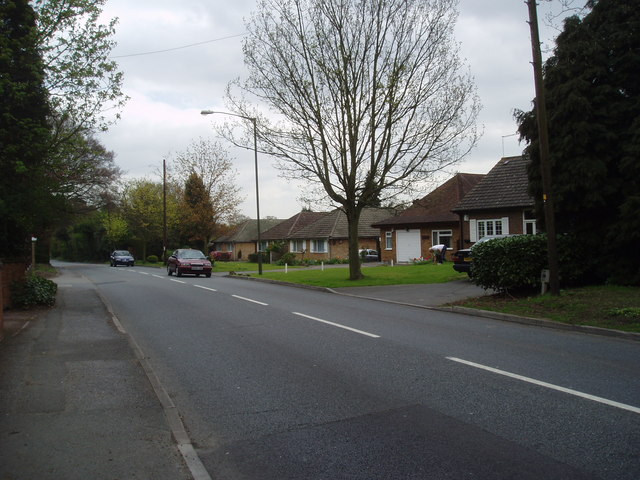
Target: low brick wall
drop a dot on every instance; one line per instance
(9, 272)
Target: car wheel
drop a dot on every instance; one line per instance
(208, 275)
(168, 270)
(178, 272)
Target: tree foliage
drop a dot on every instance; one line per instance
(197, 216)
(593, 102)
(25, 198)
(83, 82)
(369, 97)
(210, 161)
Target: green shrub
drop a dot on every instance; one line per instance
(34, 290)
(152, 259)
(515, 263)
(287, 258)
(253, 257)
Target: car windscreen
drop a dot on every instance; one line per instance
(121, 253)
(191, 254)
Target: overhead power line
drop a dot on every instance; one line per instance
(178, 48)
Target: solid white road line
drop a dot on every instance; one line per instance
(605, 401)
(249, 300)
(206, 288)
(361, 332)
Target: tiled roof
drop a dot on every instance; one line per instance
(247, 231)
(285, 228)
(334, 225)
(505, 186)
(436, 206)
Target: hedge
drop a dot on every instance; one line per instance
(515, 263)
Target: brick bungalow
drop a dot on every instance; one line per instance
(499, 204)
(327, 237)
(429, 221)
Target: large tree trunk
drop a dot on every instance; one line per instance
(355, 271)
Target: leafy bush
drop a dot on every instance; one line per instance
(152, 259)
(220, 256)
(34, 290)
(287, 258)
(253, 257)
(515, 263)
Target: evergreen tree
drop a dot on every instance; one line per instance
(24, 130)
(593, 103)
(197, 218)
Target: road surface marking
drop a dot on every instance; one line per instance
(249, 300)
(177, 281)
(361, 332)
(206, 288)
(158, 276)
(549, 385)
(144, 273)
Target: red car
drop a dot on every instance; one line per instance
(188, 261)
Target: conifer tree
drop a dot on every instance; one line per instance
(593, 103)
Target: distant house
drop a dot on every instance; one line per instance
(323, 236)
(499, 204)
(242, 241)
(428, 222)
(282, 231)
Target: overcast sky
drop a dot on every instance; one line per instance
(168, 89)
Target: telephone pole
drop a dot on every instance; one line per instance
(543, 138)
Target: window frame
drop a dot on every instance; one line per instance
(295, 243)
(315, 242)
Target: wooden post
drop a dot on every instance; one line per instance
(543, 138)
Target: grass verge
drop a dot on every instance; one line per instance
(597, 306)
(338, 276)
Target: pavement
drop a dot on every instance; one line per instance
(79, 401)
(74, 400)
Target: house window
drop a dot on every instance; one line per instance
(442, 237)
(388, 240)
(489, 228)
(319, 246)
(262, 247)
(296, 246)
(530, 223)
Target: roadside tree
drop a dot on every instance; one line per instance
(366, 99)
(25, 198)
(196, 215)
(593, 104)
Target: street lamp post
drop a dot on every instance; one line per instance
(255, 151)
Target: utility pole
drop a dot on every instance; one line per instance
(164, 210)
(543, 136)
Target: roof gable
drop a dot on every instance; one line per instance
(247, 231)
(335, 225)
(505, 186)
(286, 227)
(436, 206)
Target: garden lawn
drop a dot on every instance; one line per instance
(598, 306)
(338, 276)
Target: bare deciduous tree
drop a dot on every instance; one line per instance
(212, 164)
(370, 97)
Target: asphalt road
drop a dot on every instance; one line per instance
(277, 382)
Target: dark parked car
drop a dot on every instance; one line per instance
(188, 261)
(463, 259)
(121, 257)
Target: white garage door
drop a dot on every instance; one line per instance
(408, 245)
